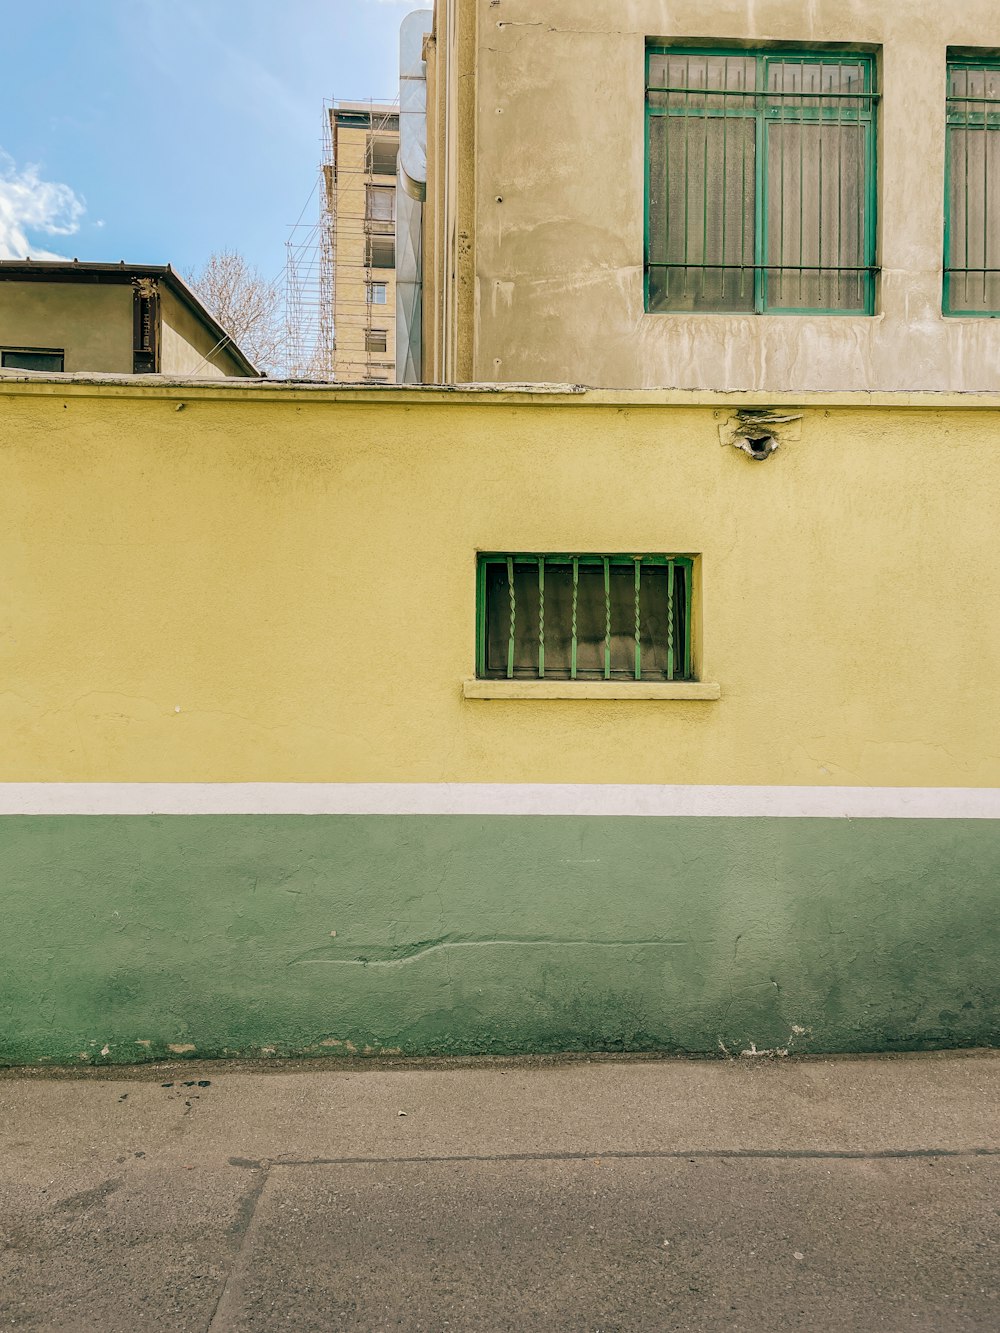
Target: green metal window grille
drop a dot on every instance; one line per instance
(760, 181)
(584, 617)
(972, 189)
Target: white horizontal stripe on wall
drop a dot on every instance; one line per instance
(456, 798)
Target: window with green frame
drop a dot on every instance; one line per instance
(760, 181)
(584, 617)
(972, 189)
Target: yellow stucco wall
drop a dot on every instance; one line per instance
(236, 584)
(534, 263)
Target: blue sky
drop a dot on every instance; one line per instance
(157, 131)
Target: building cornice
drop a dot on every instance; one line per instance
(21, 383)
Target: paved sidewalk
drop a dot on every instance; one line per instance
(601, 1195)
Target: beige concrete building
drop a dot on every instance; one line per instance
(360, 215)
(110, 319)
(751, 194)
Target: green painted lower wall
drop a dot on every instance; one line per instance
(125, 938)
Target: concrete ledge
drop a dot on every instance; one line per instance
(692, 690)
(87, 384)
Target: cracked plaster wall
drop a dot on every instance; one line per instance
(551, 164)
(279, 587)
(145, 938)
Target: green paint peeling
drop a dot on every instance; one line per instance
(455, 934)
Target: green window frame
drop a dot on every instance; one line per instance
(972, 189)
(583, 617)
(760, 192)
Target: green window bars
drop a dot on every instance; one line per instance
(972, 188)
(760, 181)
(584, 617)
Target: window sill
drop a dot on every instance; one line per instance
(692, 690)
(777, 313)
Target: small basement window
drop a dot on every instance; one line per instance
(33, 358)
(584, 617)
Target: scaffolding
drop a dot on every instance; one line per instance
(309, 353)
(340, 270)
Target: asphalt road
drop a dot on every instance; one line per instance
(841, 1195)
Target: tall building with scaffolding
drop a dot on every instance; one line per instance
(340, 271)
(358, 240)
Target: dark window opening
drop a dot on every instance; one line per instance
(33, 358)
(382, 152)
(380, 252)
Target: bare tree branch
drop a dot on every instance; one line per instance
(246, 305)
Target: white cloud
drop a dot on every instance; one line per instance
(29, 204)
